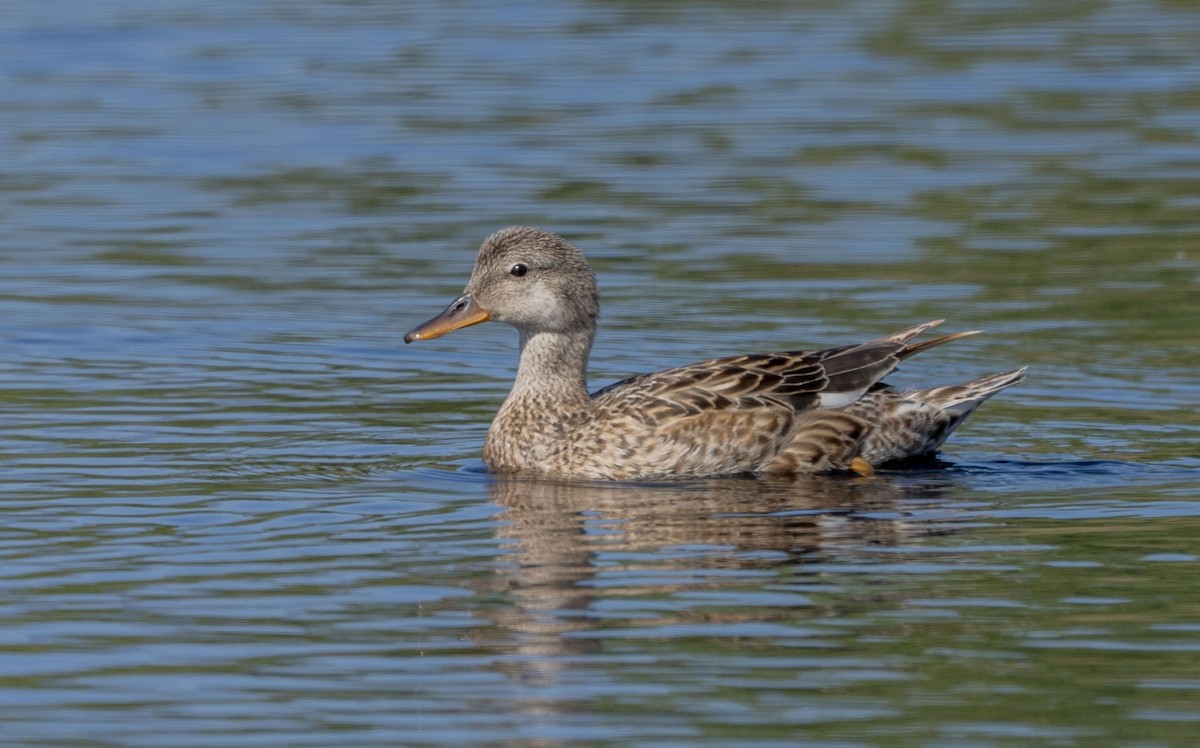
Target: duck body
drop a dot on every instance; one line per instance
(789, 412)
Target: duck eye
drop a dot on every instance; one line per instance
(519, 269)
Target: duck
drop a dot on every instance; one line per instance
(792, 412)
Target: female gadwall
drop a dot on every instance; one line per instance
(793, 412)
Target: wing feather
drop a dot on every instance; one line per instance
(754, 403)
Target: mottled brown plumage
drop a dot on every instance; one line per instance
(790, 412)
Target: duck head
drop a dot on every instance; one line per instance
(529, 278)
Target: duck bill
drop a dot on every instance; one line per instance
(462, 312)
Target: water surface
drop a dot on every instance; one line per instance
(238, 511)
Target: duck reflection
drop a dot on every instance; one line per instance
(589, 556)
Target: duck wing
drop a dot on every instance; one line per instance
(734, 414)
(797, 380)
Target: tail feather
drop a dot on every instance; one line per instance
(912, 425)
(854, 369)
(907, 334)
(964, 398)
(859, 413)
(915, 348)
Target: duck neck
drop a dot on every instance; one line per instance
(548, 399)
(553, 369)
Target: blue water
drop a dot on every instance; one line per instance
(237, 510)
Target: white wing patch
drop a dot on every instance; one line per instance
(835, 400)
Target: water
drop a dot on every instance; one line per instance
(238, 511)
